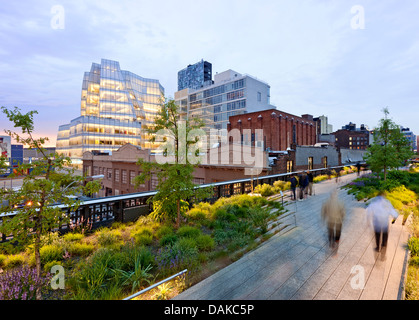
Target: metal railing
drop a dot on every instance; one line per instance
(103, 211)
(155, 285)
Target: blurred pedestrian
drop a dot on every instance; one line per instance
(333, 214)
(358, 168)
(310, 182)
(379, 212)
(303, 182)
(294, 184)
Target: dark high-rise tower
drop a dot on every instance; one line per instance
(194, 76)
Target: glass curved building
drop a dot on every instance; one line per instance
(115, 104)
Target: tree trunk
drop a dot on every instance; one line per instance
(178, 214)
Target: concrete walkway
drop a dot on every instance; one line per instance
(299, 265)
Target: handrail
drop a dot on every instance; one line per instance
(155, 285)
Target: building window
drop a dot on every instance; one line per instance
(310, 163)
(259, 97)
(131, 177)
(289, 166)
(124, 176)
(116, 175)
(109, 174)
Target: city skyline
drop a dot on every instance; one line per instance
(346, 61)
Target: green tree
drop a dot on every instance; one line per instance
(390, 148)
(48, 182)
(180, 148)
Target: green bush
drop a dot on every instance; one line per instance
(188, 231)
(51, 253)
(80, 249)
(143, 239)
(163, 230)
(106, 237)
(168, 239)
(13, 261)
(265, 190)
(205, 243)
(49, 265)
(73, 236)
(197, 214)
(2, 260)
(413, 245)
(223, 215)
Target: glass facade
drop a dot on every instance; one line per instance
(195, 76)
(115, 104)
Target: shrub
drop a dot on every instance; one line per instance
(280, 185)
(413, 245)
(183, 254)
(223, 215)
(168, 239)
(196, 214)
(13, 261)
(106, 237)
(80, 249)
(143, 239)
(51, 253)
(49, 265)
(73, 236)
(205, 243)
(320, 178)
(143, 236)
(265, 190)
(2, 260)
(163, 230)
(188, 231)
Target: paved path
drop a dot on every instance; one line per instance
(299, 265)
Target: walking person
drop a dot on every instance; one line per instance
(294, 184)
(333, 214)
(379, 212)
(303, 182)
(310, 182)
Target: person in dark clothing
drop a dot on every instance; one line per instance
(303, 182)
(310, 182)
(294, 184)
(358, 168)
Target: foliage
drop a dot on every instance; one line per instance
(390, 148)
(49, 181)
(174, 167)
(413, 245)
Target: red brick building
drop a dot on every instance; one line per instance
(351, 139)
(281, 130)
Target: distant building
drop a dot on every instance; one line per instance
(323, 126)
(115, 104)
(280, 130)
(195, 76)
(231, 93)
(120, 168)
(411, 137)
(354, 138)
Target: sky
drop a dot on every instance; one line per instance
(343, 59)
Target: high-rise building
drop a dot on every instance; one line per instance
(230, 94)
(195, 76)
(411, 137)
(115, 104)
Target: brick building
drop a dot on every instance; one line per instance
(119, 167)
(352, 139)
(281, 130)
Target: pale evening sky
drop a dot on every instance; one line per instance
(343, 59)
